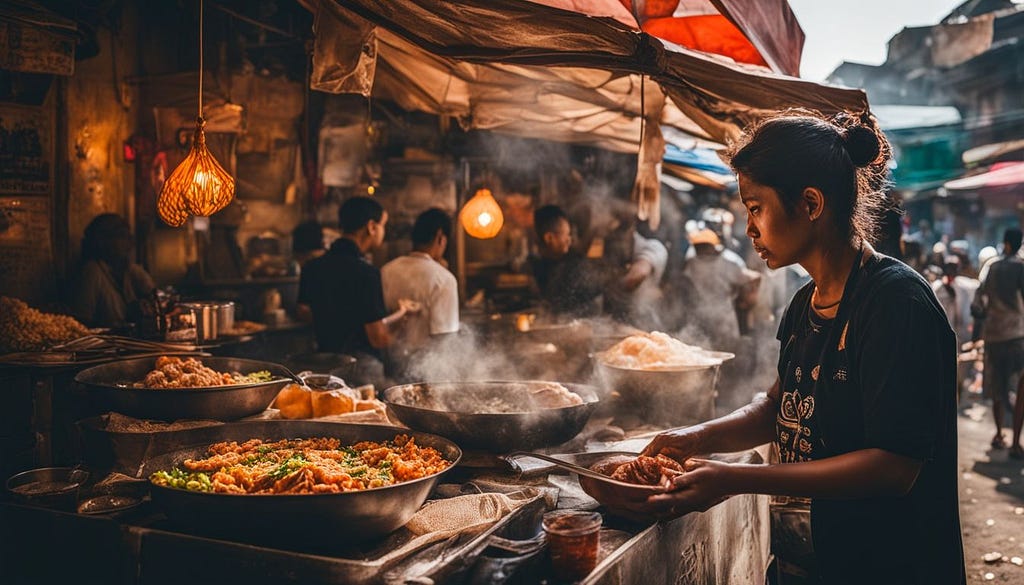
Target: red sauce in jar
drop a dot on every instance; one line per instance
(573, 542)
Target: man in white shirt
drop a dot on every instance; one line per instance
(420, 277)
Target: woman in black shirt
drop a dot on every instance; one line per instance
(864, 408)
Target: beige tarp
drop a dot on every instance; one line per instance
(538, 71)
(543, 72)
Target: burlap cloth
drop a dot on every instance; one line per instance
(443, 519)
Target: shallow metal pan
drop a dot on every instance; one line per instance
(108, 387)
(454, 412)
(357, 516)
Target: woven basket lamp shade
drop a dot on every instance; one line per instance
(481, 216)
(198, 186)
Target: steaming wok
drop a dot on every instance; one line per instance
(306, 518)
(453, 410)
(107, 387)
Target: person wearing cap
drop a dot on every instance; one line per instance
(108, 283)
(716, 287)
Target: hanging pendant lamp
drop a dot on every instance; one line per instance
(481, 216)
(199, 185)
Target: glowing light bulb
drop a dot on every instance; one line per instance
(371, 190)
(481, 216)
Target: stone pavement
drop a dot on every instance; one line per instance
(991, 500)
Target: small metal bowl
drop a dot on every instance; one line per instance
(48, 487)
(617, 498)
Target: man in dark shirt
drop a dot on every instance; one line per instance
(568, 284)
(341, 291)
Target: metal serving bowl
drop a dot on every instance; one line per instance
(457, 410)
(673, 397)
(109, 386)
(290, 518)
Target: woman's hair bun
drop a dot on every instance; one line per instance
(862, 143)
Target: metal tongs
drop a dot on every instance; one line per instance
(573, 467)
(592, 457)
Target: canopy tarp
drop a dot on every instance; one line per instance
(539, 71)
(544, 72)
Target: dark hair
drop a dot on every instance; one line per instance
(307, 237)
(545, 219)
(844, 156)
(1013, 236)
(358, 211)
(100, 234)
(428, 224)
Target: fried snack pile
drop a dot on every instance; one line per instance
(174, 372)
(23, 328)
(647, 470)
(656, 351)
(303, 466)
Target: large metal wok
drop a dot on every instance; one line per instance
(302, 518)
(108, 386)
(457, 410)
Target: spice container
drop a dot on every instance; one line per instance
(573, 542)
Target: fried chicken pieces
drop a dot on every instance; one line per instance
(175, 372)
(647, 470)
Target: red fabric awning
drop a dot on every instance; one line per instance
(758, 32)
(1000, 175)
(1000, 187)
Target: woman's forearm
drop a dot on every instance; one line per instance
(747, 427)
(860, 474)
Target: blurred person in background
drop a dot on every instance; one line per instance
(568, 283)
(108, 285)
(716, 288)
(420, 277)
(955, 293)
(307, 242)
(1000, 298)
(925, 234)
(341, 293)
(634, 296)
(863, 410)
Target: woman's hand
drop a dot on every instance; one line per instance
(703, 485)
(678, 444)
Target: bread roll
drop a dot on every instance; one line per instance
(331, 402)
(294, 401)
(367, 405)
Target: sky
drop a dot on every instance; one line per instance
(857, 30)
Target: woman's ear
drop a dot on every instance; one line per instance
(814, 202)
